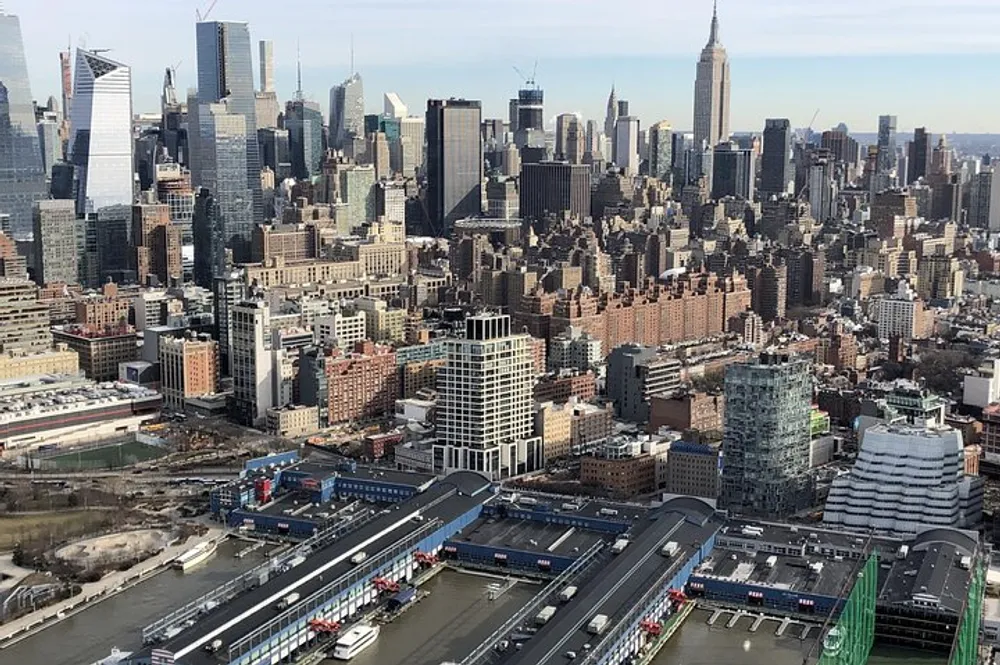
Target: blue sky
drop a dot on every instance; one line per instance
(931, 63)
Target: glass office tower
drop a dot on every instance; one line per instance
(22, 179)
(101, 144)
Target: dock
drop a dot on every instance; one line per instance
(673, 623)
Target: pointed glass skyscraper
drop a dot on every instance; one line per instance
(711, 92)
(22, 178)
(101, 145)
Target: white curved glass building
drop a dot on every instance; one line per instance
(907, 479)
(101, 144)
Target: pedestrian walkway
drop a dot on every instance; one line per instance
(94, 592)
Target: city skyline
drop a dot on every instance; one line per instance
(769, 73)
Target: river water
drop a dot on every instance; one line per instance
(118, 621)
(697, 643)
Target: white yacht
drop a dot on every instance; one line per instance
(355, 640)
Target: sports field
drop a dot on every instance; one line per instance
(106, 457)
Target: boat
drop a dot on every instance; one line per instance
(355, 640)
(117, 656)
(195, 555)
(833, 642)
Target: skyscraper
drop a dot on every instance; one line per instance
(225, 71)
(626, 145)
(530, 118)
(22, 180)
(919, 154)
(766, 437)
(55, 242)
(304, 122)
(554, 188)
(711, 91)
(485, 419)
(394, 106)
(101, 145)
(569, 138)
(732, 172)
(611, 116)
(454, 161)
(885, 160)
(776, 162)
(252, 365)
(266, 65)
(223, 144)
(661, 151)
(347, 112)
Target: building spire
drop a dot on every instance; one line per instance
(298, 59)
(713, 37)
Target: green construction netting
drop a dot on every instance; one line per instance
(966, 645)
(850, 641)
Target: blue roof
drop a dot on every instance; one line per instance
(691, 447)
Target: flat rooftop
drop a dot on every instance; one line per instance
(46, 395)
(446, 500)
(322, 469)
(293, 505)
(529, 536)
(789, 572)
(620, 581)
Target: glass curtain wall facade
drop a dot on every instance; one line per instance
(347, 112)
(223, 144)
(225, 72)
(304, 122)
(22, 179)
(101, 143)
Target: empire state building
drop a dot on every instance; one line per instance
(711, 92)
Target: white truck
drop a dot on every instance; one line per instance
(567, 594)
(359, 557)
(547, 613)
(619, 546)
(670, 549)
(214, 646)
(288, 600)
(597, 624)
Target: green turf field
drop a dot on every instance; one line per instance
(107, 457)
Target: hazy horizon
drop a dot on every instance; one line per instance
(852, 61)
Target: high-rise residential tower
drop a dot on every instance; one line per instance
(711, 91)
(485, 405)
(661, 151)
(885, 160)
(776, 173)
(22, 179)
(266, 65)
(347, 112)
(101, 145)
(454, 161)
(766, 437)
(55, 242)
(225, 72)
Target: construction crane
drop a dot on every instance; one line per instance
(528, 80)
(204, 17)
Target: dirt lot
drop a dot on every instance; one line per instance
(114, 547)
(51, 527)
